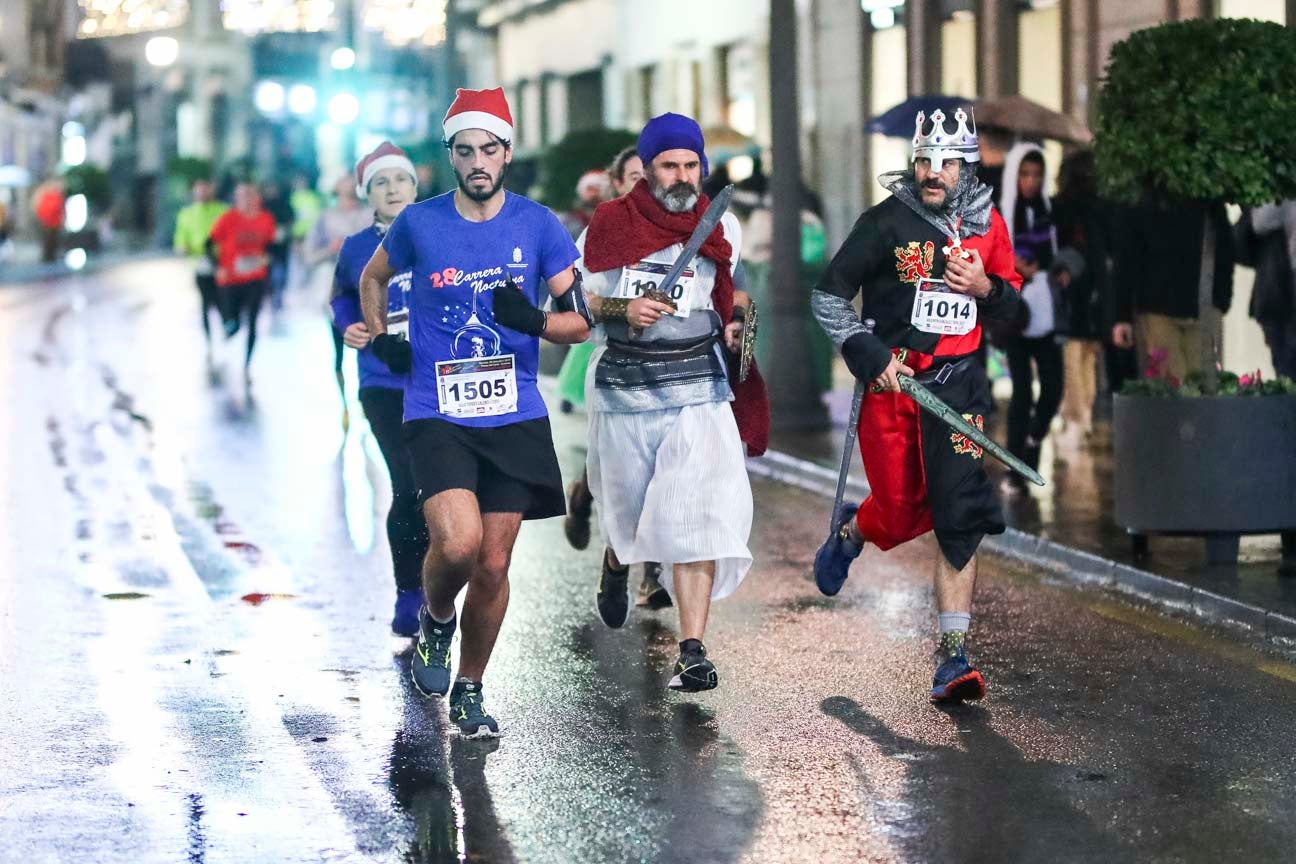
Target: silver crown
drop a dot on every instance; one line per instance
(938, 144)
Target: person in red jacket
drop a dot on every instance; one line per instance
(930, 262)
(239, 243)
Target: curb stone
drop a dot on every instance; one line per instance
(1068, 563)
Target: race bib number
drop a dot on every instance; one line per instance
(245, 264)
(477, 387)
(939, 310)
(648, 275)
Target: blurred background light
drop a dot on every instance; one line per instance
(269, 97)
(301, 99)
(343, 108)
(76, 213)
(161, 51)
(402, 22)
(343, 58)
(101, 18)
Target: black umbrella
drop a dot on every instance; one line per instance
(898, 122)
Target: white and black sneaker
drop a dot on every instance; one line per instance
(693, 671)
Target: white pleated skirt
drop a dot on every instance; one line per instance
(671, 486)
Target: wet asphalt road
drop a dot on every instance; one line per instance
(151, 712)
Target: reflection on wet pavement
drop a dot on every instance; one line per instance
(197, 665)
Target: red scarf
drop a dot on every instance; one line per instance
(627, 230)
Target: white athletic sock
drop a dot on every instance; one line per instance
(960, 621)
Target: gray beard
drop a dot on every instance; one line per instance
(680, 198)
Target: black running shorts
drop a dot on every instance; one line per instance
(511, 469)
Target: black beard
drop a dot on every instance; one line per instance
(934, 207)
(675, 198)
(479, 197)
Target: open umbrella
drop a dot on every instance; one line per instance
(898, 122)
(1027, 119)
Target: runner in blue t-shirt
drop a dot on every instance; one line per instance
(386, 178)
(483, 261)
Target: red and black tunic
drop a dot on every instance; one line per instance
(922, 474)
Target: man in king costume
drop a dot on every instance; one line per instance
(929, 262)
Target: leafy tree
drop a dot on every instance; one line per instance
(1200, 111)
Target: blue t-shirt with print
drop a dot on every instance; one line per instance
(457, 265)
(352, 257)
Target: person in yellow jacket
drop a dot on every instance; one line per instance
(193, 226)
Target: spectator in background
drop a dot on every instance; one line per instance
(1080, 272)
(1157, 264)
(193, 226)
(48, 202)
(346, 217)
(593, 188)
(1026, 208)
(1266, 241)
(278, 205)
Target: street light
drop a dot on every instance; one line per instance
(269, 97)
(301, 99)
(343, 58)
(161, 51)
(343, 109)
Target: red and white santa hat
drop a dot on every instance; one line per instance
(480, 109)
(385, 155)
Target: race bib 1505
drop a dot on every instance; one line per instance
(477, 387)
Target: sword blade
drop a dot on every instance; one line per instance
(710, 219)
(848, 456)
(934, 406)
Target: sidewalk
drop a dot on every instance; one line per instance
(23, 263)
(1067, 527)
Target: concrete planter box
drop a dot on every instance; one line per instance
(1220, 466)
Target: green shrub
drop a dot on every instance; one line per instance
(1200, 110)
(564, 163)
(90, 181)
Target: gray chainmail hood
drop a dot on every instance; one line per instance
(971, 200)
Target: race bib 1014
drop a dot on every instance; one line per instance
(939, 310)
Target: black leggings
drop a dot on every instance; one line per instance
(407, 532)
(1047, 354)
(210, 300)
(247, 295)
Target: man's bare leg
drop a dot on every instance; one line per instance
(955, 679)
(954, 587)
(488, 593)
(455, 535)
(693, 583)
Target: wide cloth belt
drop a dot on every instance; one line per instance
(630, 366)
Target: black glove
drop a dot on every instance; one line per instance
(514, 310)
(395, 352)
(866, 356)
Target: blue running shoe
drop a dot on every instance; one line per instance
(405, 620)
(957, 680)
(430, 667)
(468, 712)
(832, 561)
